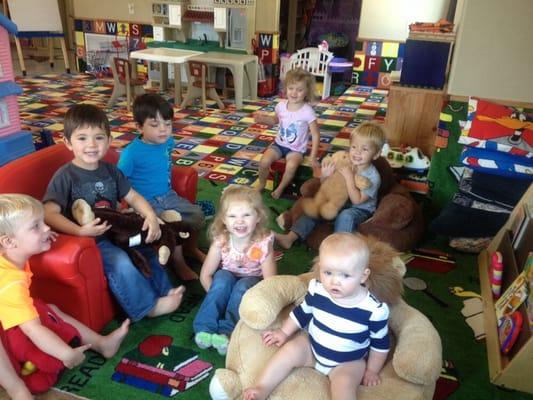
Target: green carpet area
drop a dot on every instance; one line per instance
(441, 181)
(93, 378)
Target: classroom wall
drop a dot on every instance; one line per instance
(114, 10)
(493, 51)
(390, 19)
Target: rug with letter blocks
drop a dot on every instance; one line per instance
(222, 145)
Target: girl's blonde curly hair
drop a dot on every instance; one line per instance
(234, 193)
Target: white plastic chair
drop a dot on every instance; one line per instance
(315, 61)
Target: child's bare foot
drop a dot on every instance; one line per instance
(110, 344)
(177, 290)
(286, 240)
(185, 273)
(166, 304)
(254, 393)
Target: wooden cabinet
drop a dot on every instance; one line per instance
(413, 116)
(511, 370)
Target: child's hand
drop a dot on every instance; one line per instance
(262, 117)
(274, 338)
(154, 230)
(347, 173)
(328, 168)
(52, 236)
(94, 228)
(371, 378)
(76, 356)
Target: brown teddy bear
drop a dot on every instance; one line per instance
(332, 194)
(398, 219)
(408, 374)
(126, 231)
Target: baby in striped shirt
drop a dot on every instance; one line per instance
(347, 326)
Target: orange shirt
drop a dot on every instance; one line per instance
(16, 304)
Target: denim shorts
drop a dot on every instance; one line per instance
(283, 150)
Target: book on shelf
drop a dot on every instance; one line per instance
(521, 226)
(528, 273)
(513, 296)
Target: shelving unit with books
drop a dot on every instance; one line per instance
(510, 370)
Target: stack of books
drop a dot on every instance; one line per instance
(174, 370)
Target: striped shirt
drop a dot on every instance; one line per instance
(340, 333)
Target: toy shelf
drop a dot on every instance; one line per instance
(513, 369)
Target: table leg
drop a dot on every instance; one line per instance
(163, 82)
(65, 54)
(51, 51)
(177, 84)
(21, 56)
(237, 83)
(252, 69)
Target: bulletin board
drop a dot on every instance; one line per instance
(390, 19)
(492, 56)
(36, 15)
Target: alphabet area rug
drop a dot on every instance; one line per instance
(93, 379)
(222, 145)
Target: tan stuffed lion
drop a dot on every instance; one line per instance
(414, 361)
(332, 194)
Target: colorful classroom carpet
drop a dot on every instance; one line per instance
(222, 145)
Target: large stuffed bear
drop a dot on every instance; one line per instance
(332, 194)
(414, 361)
(398, 219)
(126, 231)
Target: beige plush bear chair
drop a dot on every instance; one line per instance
(410, 373)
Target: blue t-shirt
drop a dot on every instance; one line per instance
(148, 166)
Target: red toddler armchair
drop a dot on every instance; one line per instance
(71, 275)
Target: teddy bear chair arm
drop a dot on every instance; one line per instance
(418, 354)
(184, 181)
(261, 304)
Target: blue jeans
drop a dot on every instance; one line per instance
(191, 214)
(219, 312)
(347, 221)
(135, 293)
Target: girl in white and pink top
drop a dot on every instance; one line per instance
(241, 254)
(297, 122)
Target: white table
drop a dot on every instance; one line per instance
(239, 65)
(166, 56)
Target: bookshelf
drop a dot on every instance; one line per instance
(511, 370)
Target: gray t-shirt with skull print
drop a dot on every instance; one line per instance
(103, 187)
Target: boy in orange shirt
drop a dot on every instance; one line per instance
(23, 233)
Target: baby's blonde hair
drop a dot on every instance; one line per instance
(234, 193)
(350, 246)
(15, 209)
(371, 131)
(299, 75)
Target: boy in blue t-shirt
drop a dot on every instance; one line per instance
(147, 163)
